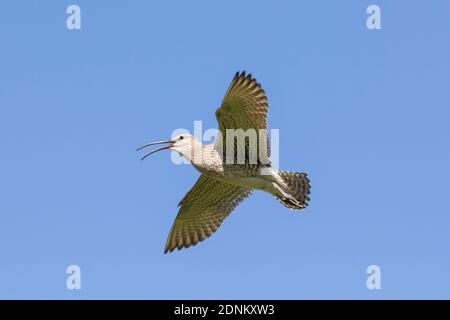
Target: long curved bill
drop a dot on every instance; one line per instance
(169, 142)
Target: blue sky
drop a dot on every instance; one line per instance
(365, 113)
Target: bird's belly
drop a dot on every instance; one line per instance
(249, 182)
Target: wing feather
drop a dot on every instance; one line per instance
(202, 211)
(244, 106)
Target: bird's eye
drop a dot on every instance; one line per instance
(181, 137)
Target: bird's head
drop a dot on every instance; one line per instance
(185, 144)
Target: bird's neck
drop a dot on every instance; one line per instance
(203, 155)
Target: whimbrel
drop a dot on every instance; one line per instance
(223, 184)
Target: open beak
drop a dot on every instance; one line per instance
(169, 142)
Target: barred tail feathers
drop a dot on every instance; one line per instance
(298, 187)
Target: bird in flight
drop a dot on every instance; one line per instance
(225, 181)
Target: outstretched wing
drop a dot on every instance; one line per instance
(202, 211)
(244, 107)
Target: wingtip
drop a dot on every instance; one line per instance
(168, 249)
(180, 246)
(244, 76)
(241, 74)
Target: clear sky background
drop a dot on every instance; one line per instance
(365, 113)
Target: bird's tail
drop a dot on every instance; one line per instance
(298, 187)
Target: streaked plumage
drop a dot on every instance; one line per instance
(202, 211)
(221, 185)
